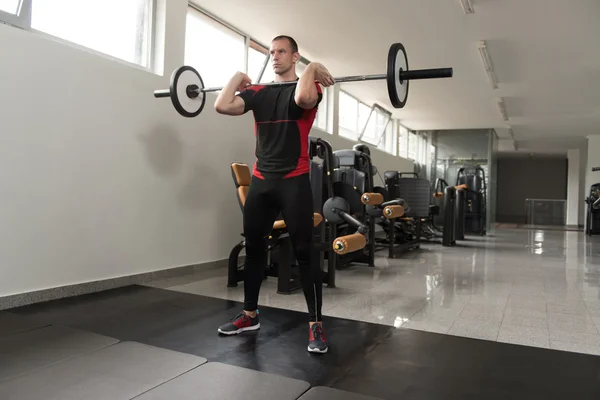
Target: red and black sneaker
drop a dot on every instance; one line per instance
(240, 323)
(317, 343)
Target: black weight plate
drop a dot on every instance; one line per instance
(397, 60)
(338, 203)
(184, 104)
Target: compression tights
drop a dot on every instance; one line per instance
(265, 200)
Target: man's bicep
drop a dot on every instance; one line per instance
(241, 104)
(236, 107)
(308, 107)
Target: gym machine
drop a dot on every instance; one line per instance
(446, 196)
(415, 192)
(321, 181)
(472, 179)
(592, 217)
(280, 260)
(353, 177)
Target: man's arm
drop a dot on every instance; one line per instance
(227, 102)
(306, 95)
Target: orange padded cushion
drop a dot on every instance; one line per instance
(317, 219)
(279, 224)
(243, 193)
(242, 174)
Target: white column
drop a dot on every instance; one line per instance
(573, 187)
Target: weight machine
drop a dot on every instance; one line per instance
(474, 208)
(592, 217)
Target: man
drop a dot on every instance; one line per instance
(283, 117)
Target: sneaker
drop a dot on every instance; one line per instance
(240, 323)
(316, 340)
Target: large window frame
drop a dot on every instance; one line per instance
(376, 111)
(359, 123)
(23, 20)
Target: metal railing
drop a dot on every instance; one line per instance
(548, 212)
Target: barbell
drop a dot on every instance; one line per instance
(188, 94)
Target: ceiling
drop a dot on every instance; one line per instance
(546, 55)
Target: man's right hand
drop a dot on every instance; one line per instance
(227, 102)
(244, 80)
(322, 75)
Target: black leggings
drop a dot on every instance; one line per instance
(266, 199)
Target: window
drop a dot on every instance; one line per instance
(269, 74)
(10, 6)
(348, 116)
(421, 157)
(377, 121)
(402, 141)
(216, 51)
(364, 111)
(412, 146)
(258, 56)
(16, 12)
(353, 116)
(323, 112)
(128, 36)
(389, 140)
(300, 67)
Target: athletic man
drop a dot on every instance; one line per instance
(283, 117)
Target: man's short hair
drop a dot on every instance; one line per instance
(293, 43)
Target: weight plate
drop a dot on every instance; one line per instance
(183, 103)
(397, 60)
(338, 203)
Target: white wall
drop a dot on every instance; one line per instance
(100, 179)
(573, 186)
(560, 145)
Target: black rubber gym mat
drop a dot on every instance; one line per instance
(188, 323)
(11, 324)
(414, 365)
(374, 360)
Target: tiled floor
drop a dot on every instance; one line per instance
(526, 287)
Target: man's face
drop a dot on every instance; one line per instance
(282, 57)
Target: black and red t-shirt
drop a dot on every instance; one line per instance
(281, 128)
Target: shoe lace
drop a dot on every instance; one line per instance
(317, 331)
(241, 314)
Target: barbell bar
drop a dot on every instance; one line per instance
(188, 94)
